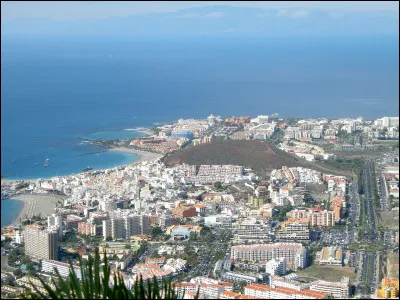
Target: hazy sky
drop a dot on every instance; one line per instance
(90, 10)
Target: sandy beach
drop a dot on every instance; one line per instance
(35, 204)
(143, 155)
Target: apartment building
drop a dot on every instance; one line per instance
(294, 230)
(261, 291)
(56, 220)
(122, 227)
(338, 205)
(220, 170)
(257, 202)
(253, 229)
(162, 219)
(339, 290)
(238, 277)
(294, 253)
(289, 283)
(184, 211)
(241, 135)
(87, 228)
(276, 266)
(210, 291)
(49, 266)
(316, 216)
(389, 288)
(219, 221)
(186, 287)
(387, 122)
(229, 295)
(41, 243)
(237, 120)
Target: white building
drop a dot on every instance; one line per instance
(220, 221)
(260, 291)
(122, 227)
(339, 290)
(276, 266)
(55, 221)
(49, 266)
(253, 229)
(19, 237)
(295, 253)
(387, 122)
(41, 243)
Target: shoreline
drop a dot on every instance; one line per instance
(35, 204)
(141, 156)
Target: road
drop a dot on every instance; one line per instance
(368, 266)
(371, 234)
(4, 264)
(367, 274)
(207, 259)
(354, 212)
(384, 198)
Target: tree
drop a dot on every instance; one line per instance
(193, 236)
(218, 185)
(155, 231)
(18, 273)
(98, 283)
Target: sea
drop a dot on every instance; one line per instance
(56, 91)
(9, 211)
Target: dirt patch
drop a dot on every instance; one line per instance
(393, 264)
(327, 273)
(390, 218)
(257, 155)
(315, 188)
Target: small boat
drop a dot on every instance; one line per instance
(46, 162)
(36, 163)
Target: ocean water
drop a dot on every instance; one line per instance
(9, 211)
(55, 91)
(113, 134)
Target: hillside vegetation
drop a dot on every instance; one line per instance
(254, 154)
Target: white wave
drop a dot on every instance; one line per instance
(135, 129)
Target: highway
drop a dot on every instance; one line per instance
(367, 276)
(367, 273)
(382, 189)
(368, 205)
(354, 211)
(207, 260)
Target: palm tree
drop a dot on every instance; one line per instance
(97, 285)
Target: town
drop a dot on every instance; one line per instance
(296, 208)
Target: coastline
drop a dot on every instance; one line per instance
(142, 155)
(35, 204)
